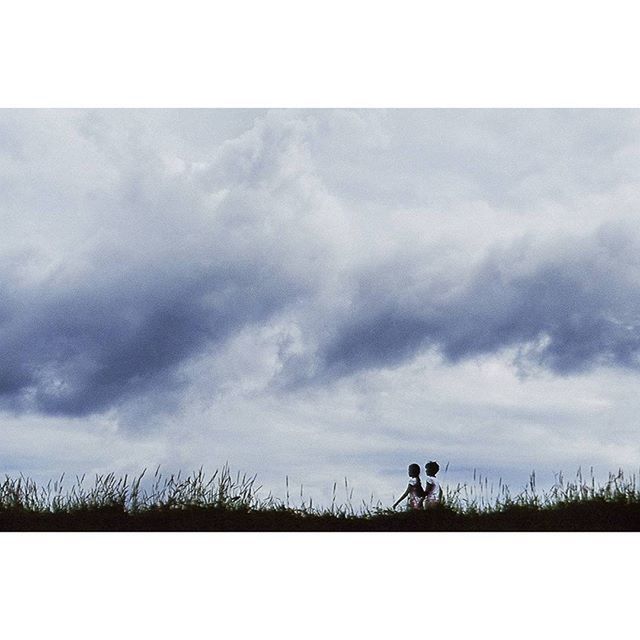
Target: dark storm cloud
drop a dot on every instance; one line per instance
(135, 241)
(567, 312)
(123, 260)
(82, 350)
(566, 307)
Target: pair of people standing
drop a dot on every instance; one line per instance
(417, 496)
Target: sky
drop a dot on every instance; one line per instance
(320, 294)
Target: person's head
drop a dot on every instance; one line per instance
(414, 470)
(432, 468)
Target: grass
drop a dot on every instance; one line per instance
(224, 501)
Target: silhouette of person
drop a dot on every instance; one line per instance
(414, 491)
(432, 490)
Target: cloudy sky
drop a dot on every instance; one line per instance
(320, 293)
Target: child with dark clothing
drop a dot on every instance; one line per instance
(414, 491)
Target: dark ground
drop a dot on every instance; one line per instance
(577, 516)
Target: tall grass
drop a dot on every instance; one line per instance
(484, 496)
(223, 490)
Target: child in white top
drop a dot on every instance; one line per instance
(431, 485)
(414, 491)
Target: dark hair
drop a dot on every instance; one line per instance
(414, 470)
(432, 467)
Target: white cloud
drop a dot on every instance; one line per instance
(235, 246)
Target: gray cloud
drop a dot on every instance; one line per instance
(107, 304)
(567, 307)
(319, 294)
(135, 242)
(75, 350)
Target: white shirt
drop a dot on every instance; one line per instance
(432, 489)
(414, 499)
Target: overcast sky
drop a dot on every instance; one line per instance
(320, 293)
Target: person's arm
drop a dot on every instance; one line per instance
(401, 498)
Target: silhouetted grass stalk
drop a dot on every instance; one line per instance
(225, 491)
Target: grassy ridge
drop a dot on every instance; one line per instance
(223, 502)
